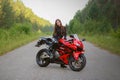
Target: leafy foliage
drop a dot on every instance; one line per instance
(14, 11)
(98, 17)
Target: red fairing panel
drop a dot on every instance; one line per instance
(64, 58)
(76, 55)
(72, 46)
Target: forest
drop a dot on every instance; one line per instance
(15, 12)
(99, 22)
(19, 25)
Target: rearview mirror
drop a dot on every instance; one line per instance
(83, 39)
(71, 36)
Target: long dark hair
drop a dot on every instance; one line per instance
(61, 26)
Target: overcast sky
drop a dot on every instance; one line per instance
(54, 9)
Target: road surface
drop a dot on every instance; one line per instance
(20, 64)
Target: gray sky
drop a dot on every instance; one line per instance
(53, 9)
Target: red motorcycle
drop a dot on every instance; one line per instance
(69, 52)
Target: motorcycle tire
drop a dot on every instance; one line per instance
(82, 63)
(42, 62)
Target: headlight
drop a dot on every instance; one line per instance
(78, 45)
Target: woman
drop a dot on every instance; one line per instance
(59, 32)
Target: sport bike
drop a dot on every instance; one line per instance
(68, 52)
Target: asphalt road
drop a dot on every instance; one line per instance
(20, 64)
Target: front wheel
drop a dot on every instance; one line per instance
(42, 62)
(77, 65)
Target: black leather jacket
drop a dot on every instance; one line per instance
(60, 33)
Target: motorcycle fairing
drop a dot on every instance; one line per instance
(64, 58)
(66, 43)
(76, 55)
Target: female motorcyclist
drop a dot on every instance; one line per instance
(59, 32)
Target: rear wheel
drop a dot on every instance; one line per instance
(42, 59)
(77, 65)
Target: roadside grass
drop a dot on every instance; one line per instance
(11, 43)
(106, 42)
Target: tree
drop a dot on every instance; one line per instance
(6, 14)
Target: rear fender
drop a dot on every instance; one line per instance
(41, 42)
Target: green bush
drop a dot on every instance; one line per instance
(4, 34)
(25, 28)
(116, 34)
(15, 30)
(16, 36)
